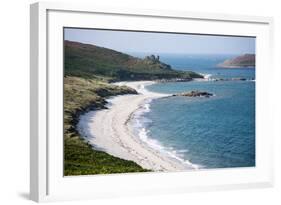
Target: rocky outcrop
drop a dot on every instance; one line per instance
(155, 60)
(233, 79)
(194, 93)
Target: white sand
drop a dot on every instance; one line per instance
(108, 130)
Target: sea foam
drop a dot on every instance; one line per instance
(140, 125)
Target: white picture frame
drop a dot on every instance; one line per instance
(47, 182)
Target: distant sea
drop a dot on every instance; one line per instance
(215, 132)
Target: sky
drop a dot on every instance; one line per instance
(156, 43)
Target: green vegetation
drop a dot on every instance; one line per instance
(81, 159)
(88, 71)
(87, 61)
(82, 95)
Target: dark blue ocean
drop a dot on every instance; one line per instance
(215, 132)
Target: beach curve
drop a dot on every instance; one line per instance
(108, 130)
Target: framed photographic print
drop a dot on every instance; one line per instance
(128, 101)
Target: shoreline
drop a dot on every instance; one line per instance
(109, 130)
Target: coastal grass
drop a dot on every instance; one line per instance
(80, 158)
(87, 61)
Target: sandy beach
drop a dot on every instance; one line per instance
(108, 130)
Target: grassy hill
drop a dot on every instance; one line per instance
(88, 61)
(246, 60)
(88, 69)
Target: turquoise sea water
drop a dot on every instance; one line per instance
(215, 132)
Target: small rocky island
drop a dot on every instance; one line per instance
(195, 93)
(243, 61)
(153, 60)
